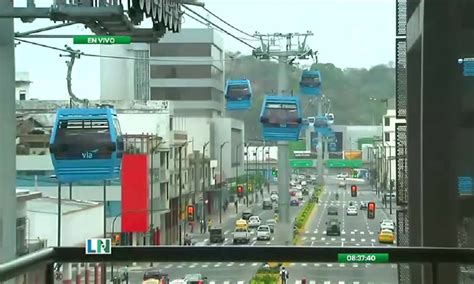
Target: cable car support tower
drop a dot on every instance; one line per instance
(295, 47)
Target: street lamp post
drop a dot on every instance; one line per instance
(180, 191)
(220, 182)
(247, 173)
(237, 157)
(203, 181)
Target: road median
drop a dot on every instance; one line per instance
(304, 215)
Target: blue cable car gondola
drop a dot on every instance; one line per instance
(238, 94)
(281, 118)
(310, 83)
(332, 147)
(86, 144)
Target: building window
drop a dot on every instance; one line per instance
(387, 121)
(171, 124)
(22, 95)
(181, 71)
(387, 136)
(183, 94)
(181, 49)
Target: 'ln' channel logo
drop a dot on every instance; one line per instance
(99, 246)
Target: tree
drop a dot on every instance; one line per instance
(348, 89)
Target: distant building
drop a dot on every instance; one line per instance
(22, 86)
(186, 69)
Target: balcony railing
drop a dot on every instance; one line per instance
(44, 259)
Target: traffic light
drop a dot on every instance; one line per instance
(274, 172)
(190, 212)
(240, 191)
(371, 210)
(354, 190)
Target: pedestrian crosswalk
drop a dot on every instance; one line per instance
(304, 281)
(210, 265)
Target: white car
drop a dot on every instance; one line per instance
(299, 195)
(292, 183)
(263, 233)
(299, 187)
(254, 222)
(352, 211)
(342, 175)
(274, 197)
(304, 183)
(387, 225)
(342, 184)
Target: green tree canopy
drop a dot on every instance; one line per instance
(350, 90)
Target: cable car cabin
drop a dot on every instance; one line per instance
(330, 118)
(86, 144)
(238, 95)
(310, 83)
(281, 118)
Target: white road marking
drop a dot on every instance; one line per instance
(180, 266)
(371, 232)
(304, 264)
(226, 282)
(218, 264)
(212, 282)
(240, 282)
(313, 238)
(230, 264)
(343, 232)
(317, 264)
(226, 232)
(268, 243)
(205, 265)
(324, 232)
(372, 240)
(312, 282)
(306, 232)
(362, 232)
(353, 240)
(343, 239)
(292, 264)
(312, 243)
(303, 238)
(355, 265)
(298, 282)
(254, 264)
(352, 233)
(341, 282)
(168, 266)
(241, 264)
(357, 244)
(315, 231)
(323, 239)
(327, 282)
(342, 265)
(327, 243)
(362, 240)
(329, 264)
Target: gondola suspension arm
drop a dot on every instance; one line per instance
(73, 54)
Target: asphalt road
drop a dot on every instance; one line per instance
(355, 231)
(225, 272)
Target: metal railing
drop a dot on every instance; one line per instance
(44, 259)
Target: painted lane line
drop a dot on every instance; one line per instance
(329, 264)
(241, 264)
(352, 233)
(362, 240)
(313, 238)
(312, 282)
(230, 264)
(317, 265)
(312, 243)
(240, 282)
(353, 240)
(362, 232)
(323, 239)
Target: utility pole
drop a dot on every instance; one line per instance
(247, 173)
(237, 157)
(204, 195)
(220, 182)
(320, 144)
(286, 55)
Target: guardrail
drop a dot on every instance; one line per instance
(45, 258)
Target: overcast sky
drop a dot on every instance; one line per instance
(348, 33)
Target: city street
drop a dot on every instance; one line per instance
(225, 272)
(355, 231)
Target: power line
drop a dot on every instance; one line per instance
(114, 56)
(227, 23)
(218, 27)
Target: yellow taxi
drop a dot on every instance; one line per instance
(241, 224)
(386, 236)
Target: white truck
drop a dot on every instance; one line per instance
(241, 235)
